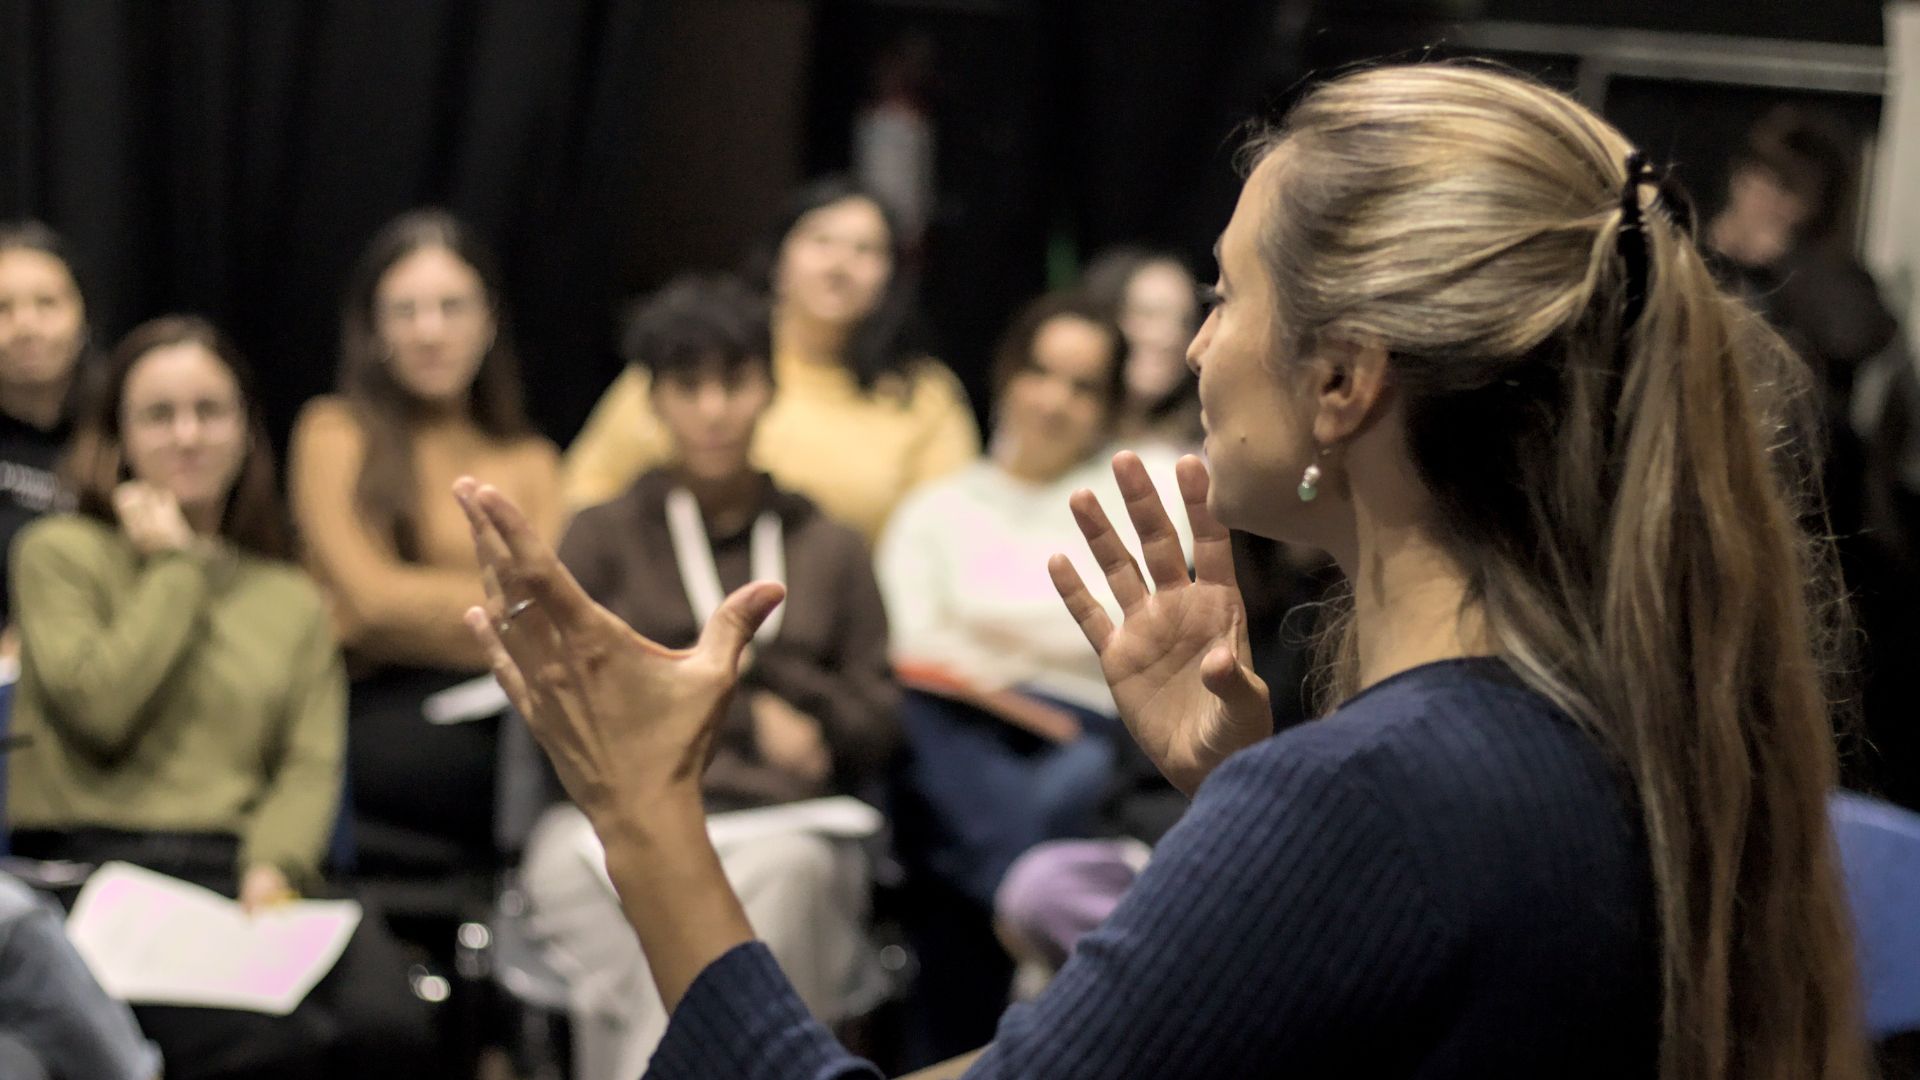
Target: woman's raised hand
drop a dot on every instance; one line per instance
(1178, 663)
(625, 721)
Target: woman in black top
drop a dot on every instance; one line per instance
(44, 352)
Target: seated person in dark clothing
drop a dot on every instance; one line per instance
(1787, 233)
(45, 356)
(185, 698)
(815, 713)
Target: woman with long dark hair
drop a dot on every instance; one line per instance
(184, 696)
(1567, 814)
(862, 414)
(429, 390)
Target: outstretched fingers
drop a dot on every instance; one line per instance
(1123, 574)
(505, 670)
(1159, 543)
(1080, 603)
(523, 563)
(1212, 543)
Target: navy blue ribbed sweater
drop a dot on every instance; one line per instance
(1444, 878)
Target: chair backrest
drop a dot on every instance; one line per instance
(1880, 856)
(517, 964)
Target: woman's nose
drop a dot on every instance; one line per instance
(1198, 346)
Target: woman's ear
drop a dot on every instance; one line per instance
(1350, 384)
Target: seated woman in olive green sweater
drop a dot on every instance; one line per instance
(185, 700)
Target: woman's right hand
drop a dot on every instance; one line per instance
(151, 518)
(1178, 663)
(628, 724)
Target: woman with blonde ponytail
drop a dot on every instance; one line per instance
(1564, 816)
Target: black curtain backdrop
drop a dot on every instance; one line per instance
(230, 157)
(1063, 126)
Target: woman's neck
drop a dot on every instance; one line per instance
(1410, 603)
(1019, 462)
(727, 503)
(40, 405)
(453, 412)
(205, 518)
(809, 340)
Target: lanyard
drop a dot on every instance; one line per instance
(693, 552)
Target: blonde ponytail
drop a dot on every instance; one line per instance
(1625, 491)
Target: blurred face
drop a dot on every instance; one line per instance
(1258, 423)
(710, 414)
(835, 263)
(1157, 316)
(183, 425)
(1761, 216)
(1053, 413)
(42, 322)
(435, 324)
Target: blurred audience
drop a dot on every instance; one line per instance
(816, 711)
(1788, 230)
(1156, 302)
(1788, 235)
(185, 698)
(190, 701)
(45, 356)
(1011, 731)
(1059, 890)
(862, 414)
(429, 390)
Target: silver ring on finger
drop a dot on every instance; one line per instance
(512, 613)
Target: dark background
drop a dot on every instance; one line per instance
(231, 156)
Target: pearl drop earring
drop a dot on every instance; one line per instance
(1310, 483)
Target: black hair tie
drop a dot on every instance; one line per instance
(1632, 240)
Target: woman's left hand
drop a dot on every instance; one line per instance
(625, 721)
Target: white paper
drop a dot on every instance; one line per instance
(841, 817)
(475, 699)
(155, 940)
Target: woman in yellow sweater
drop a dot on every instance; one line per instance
(429, 391)
(859, 417)
(184, 697)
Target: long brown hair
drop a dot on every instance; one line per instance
(387, 492)
(1626, 502)
(255, 519)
